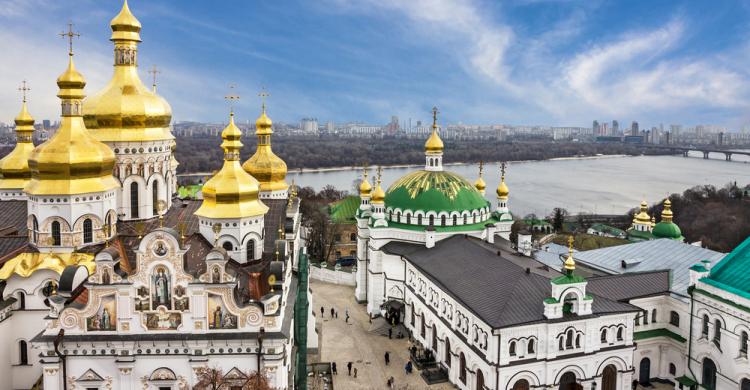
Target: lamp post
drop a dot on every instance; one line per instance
(58, 341)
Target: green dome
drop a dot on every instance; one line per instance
(434, 191)
(667, 230)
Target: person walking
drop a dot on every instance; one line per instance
(390, 333)
(392, 383)
(355, 372)
(346, 312)
(387, 358)
(322, 312)
(333, 369)
(333, 312)
(349, 367)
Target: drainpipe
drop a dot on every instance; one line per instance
(57, 342)
(690, 335)
(497, 365)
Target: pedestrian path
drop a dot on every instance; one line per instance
(352, 342)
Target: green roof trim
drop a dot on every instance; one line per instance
(637, 235)
(686, 381)
(434, 191)
(699, 268)
(190, 191)
(661, 332)
(551, 300)
(344, 210)
(718, 298)
(568, 279)
(731, 272)
(459, 228)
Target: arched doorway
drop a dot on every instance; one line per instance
(568, 381)
(609, 378)
(521, 384)
(745, 384)
(462, 367)
(447, 352)
(480, 380)
(644, 376)
(709, 374)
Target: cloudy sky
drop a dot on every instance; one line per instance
(547, 62)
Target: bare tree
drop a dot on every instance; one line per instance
(213, 378)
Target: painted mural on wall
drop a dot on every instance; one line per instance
(105, 319)
(219, 316)
(161, 294)
(162, 320)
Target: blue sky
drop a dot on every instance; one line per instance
(560, 62)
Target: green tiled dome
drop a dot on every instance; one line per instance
(434, 191)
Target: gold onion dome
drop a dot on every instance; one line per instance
(72, 161)
(667, 214)
(378, 196)
(15, 166)
(365, 188)
(570, 263)
(479, 184)
(502, 189)
(126, 110)
(268, 168)
(642, 216)
(434, 144)
(231, 192)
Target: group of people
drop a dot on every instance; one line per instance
(349, 368)
(334, 313)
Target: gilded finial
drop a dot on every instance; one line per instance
(481, 167)
(434, 117)
(154, 71)
(502, 170)
(70, 35)
(263, 95)
(231, 98)
(380, 175)
(570, 264)
(24, 88)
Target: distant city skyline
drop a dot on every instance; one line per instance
(521, 62)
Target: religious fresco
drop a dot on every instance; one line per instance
(218, 315)
(142, 299)
(161, 294)
(105, 319)
(163, 320)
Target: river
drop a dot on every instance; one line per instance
(605, 185)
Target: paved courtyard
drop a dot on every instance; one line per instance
(342, 343)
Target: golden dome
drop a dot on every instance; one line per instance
(480, 185)
(667, 214)
(126, 110)
(15, 166)
(72, 161)
(365, 188)
(570, 263)
(434, 144)
(642, 216)
(231, 192)
(502, 189)
(378, 196)
(268, 168)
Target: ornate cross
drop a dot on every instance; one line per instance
(154, 71)
(24, 88)
(502, 169)
(231, 97)
(263, 95)
(380, 174)
(571, 240)
(434, 117)
(70, 35)
(481, 167)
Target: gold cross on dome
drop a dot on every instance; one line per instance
(481, 167)
(502, 169)
(154, 71)
(231, 98)
(70, 35)
(263, 95)
(380, 174)
(24, 88)
(434, 117)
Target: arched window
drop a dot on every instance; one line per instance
(431, 163)
(645, 317)
(521, 384)
(480, 380)
(653, 316)
(704, 326)
(421, 326)
(609, 378)
(560, 343)
(743, 344)
(709, 374)
(672, 369)
(419, 219)
(412, 319)
(23, 353)
(34, 229)
(353, 237)
(745, 384)
(530, 348)
(455, 219)
(408, 219)
(569, 339)
(250, 250)
(512, 348)
(432, 220)
(717, 331)
(155, 197)
(434, 338)
(578, 341)
(447, 352)
(21, 300)
(227, 246)
(442, 220)
(603, 337)
(638, 319)
(462, 368)
(133, 200)
(88, 231)
(56, 233)
(109, 225)
(619, 334)
(674, 318)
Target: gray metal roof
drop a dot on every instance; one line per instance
(550, 254)
(662, 254)
(493, 287)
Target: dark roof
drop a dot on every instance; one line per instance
(624, 287)
(274, 218)
(493, 287)
(13, 222)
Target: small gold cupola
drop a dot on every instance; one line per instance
(642, 216)
(502, 190)
(15, 166)
(434, 145)
(480, 185)
(231, 193)
(365, 188)
(265, 166)
(378, 195)
(72, 161)
(570, 263)
(126, 110)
